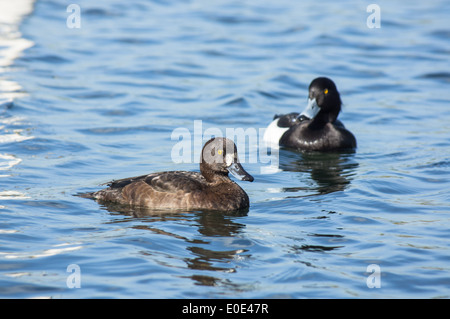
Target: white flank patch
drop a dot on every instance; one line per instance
(273, 133)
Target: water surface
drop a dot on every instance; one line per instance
(82, 106)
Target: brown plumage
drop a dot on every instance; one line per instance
(211, 189)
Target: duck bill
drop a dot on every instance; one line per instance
(311, 109)
(239, 172)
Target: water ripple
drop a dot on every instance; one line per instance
(79, 107)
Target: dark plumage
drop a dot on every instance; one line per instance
(317, 127)
(211, 189)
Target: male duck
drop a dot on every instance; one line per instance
(317, 127)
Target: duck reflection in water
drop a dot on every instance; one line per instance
(330, 171)
(219, 241)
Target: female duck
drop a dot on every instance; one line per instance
(211, 189)
(317, 127)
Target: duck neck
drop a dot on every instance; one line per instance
(214, 176)
(323, 118)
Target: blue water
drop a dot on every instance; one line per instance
(82, 106)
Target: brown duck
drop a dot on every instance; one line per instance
(211, 189)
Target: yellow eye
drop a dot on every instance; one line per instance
(325, 91)
(219, 152)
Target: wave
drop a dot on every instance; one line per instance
(12, 44)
